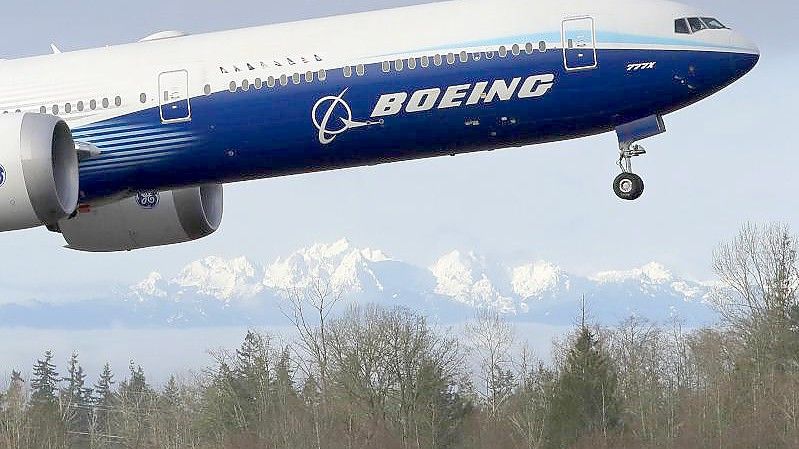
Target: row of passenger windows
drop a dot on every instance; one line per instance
(386, 66)
(80, 106)
(271, 81)
(463, 57)
(309, 77)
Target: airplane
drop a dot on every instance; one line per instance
(128, 146)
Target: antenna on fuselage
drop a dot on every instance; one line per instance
(56, 50)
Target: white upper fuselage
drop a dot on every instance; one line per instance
(110, 89)
(127, 70)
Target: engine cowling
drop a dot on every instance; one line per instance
(38, 171)
(145, 220)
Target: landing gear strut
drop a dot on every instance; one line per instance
(629, 186)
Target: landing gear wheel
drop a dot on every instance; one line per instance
(628, 186)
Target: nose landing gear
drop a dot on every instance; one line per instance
(629, 186)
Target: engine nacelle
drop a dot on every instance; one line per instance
(146, 220)
(38, 171)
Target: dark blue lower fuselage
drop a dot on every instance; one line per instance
(270, 132)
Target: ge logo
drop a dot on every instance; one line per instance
(2, 176)
(147, 200)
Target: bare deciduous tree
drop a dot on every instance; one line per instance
(492, 338)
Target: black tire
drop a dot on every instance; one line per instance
(628, 186)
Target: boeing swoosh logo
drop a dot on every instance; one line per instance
(332, 109)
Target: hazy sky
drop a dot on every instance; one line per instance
(727, 160)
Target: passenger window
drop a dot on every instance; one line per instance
(489, 55)
(477, 56)
(118, 101)
(143, 98)
(295, 78)
(542, 47)
(347, 72)
(322, 75)
(438, 60)
(55, 109)
(360, 70)
(463, 57)
(503, 51)
(80, 106)
(386, 66)
(398, 65)
(106, 103)
(308, 77)
(450, 58)
(696, 24)
(516, 50)
(259, 83)
(425, 62)
(270, 82)
(68, 108)
(43, 110)
(207, 89)
(528, 48)
(284, 79)
(245, 85)
(232, 86)
(93, 105)
(412, 63)
(681, 27)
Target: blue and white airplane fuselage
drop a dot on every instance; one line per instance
(175, 112)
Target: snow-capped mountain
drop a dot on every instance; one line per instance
(219, 291)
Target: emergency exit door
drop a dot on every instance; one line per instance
(579, 44)
(174, 96)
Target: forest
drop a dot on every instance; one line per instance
(374, 377)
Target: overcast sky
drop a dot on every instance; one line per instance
(727, 160)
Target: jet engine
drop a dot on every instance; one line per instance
(38, 171)
(145, 220)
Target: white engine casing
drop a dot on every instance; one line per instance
(39, 174)
(146, 220)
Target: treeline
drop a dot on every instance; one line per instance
(373, 377)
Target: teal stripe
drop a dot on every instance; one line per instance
(603, 37)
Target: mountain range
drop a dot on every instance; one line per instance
(216, 291)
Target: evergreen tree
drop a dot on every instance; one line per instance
(12, 412)
(252, 378)
(171, 395)
(136, 386)
(76, 401)
(45, 416)
(76, 391)
(104, 400)
(284, 376)
(103, 390)
(44, 383)
(134, 401)
(585, 400)
(13, 400)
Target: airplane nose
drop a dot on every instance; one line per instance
(746, 56)
(742, 43)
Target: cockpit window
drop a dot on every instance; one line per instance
(696, 24)
(713, 24)
(681, 27)
(691, 25)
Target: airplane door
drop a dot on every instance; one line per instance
(579, 44)
(174, 96)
